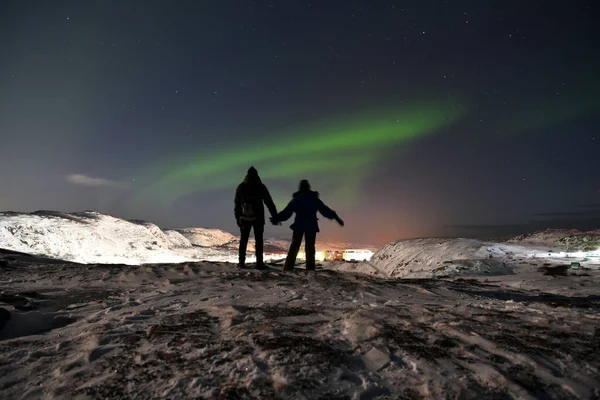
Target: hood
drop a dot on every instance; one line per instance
(252, 178)
(307, 193)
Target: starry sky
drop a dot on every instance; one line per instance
(411, 118)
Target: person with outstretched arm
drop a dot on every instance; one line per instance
(305, 203)
(250, 213)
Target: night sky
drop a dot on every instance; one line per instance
(413, 118)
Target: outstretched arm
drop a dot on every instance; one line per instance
(325, 211)
(328, 212)
(269, 202)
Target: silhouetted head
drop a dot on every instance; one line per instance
(304, 186)
(252, 176)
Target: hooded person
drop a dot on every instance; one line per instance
(250, 213)
(305, 203)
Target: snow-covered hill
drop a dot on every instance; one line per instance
(417, 256)
(91, 237)
(430, 257)
(562, 240)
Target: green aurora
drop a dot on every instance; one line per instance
(338, 153)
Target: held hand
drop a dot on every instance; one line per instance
(275, 221)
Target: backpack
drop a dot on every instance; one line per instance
(249, 201)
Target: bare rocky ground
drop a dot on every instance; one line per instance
(208, 330)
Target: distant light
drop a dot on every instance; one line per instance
(357, 255)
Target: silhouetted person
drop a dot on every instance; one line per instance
(250, 213)
(305, 203)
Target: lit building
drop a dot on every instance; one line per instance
(357, 255)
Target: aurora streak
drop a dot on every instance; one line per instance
(341, 152)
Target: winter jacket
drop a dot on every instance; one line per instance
(306, 204)
(252, 195)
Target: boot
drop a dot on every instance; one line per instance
(260, 264)
(288, 267)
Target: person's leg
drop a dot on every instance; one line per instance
(259, 229)
(293, 251)
(244, 235)
(309, 246)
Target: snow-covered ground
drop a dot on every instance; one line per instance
(469, 319)
(207, 330)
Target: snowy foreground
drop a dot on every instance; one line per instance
(207, 330)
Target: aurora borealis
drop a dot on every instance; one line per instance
(340, 151)
(413, 118)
